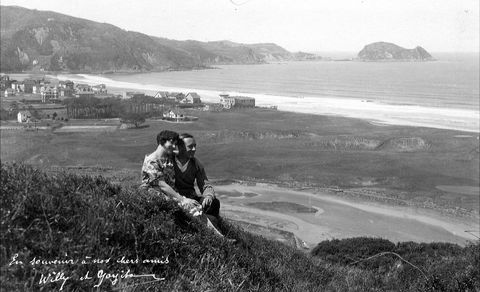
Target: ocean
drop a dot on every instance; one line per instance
(439, 94)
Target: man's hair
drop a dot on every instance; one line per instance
(181, 137)
(185, 135)
(166, 135)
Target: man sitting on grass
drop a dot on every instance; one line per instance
(158, 175)
(188, 169)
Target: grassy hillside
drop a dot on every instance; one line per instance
(67, 217)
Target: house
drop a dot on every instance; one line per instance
(167, 96)
(4, 82)
(172, 115)
(10, 92)
(66, 88)
(44, 82)
(100, 89)
(24, 116)
(83, 90)
(229, 102)
(193, 98)
(65, 92)
(37, 88)
(161, 94)
(49, 93)
(28, 85)
(179, 96)
(15, 85)
(67, 84)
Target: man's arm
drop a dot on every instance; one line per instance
(203, 184)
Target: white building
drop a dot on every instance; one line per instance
(229, 102)
(24, 116)
(173, 115)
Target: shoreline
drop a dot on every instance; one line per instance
(377, 113)
(464, 120)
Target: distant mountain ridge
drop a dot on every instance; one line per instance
(50, 41)
(383, 51)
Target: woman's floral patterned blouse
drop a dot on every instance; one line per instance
(155, 170)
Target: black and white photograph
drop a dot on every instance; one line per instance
(240, 145)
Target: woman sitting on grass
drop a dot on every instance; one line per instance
(158, 174)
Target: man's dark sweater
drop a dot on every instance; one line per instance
(185, 181)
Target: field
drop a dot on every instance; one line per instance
(419, 171)
(397, 165)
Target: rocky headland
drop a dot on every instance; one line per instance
(382, 51)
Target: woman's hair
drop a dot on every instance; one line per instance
(166, 135)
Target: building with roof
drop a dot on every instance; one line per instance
(100, 89)
(49, 93)
(173, 115)
(161, 94)
(193, 98)
(28, 85)
(4, 82)
(230, 102)
(9, 92)
(83, 90)
(24, 117)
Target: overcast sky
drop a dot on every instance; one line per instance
(306, 25)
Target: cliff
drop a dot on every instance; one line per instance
(382, 51)
(49, 41)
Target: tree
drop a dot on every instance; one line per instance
(14, 107)
(4, 114)
(34, 112)
(133, 118)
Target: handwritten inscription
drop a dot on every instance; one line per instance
(98, 278)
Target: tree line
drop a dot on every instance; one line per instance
(112, 107)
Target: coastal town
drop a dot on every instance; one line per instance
(34, 100)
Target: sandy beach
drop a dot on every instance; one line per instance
(387, 114)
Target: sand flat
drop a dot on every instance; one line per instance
(342, 218)
(465, 190)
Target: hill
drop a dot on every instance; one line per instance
(44, 40)
(72, 232)
(382, 51)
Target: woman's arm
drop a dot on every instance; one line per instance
(169, 191)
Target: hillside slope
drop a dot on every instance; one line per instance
(44, 40)
(92, 227)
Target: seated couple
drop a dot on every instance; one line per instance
(173, 173)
